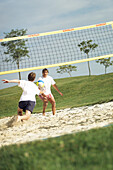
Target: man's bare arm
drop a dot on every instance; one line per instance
(11, 81)
(56, 88)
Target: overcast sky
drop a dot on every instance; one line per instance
(38, 16)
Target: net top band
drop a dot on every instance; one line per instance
(56, 32)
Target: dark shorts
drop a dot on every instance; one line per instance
(27, 105)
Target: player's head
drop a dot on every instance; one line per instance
(31, 76)
(45, 72)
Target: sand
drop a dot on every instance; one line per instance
(66, 121)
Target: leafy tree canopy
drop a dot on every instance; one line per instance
(15, 50)
(66, 69)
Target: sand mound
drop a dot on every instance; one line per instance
(70, 120)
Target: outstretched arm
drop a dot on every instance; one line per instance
(11, 81)
(56, 88)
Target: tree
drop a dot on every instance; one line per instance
(86, 47)
(66, 69)
(106, 62)
(15, 50)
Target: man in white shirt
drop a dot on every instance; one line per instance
(48, 81)
(27, 100)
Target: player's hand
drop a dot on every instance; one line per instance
(5, 81)
(45, 97)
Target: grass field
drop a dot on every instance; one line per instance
(91, 150)
(77, 91)
(81, 151)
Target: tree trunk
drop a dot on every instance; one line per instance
(105, 69)
(19, 72)
(69, 74)
(89, 66)
(19, 75)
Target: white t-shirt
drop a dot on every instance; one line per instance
(29, 90)
(48, 81)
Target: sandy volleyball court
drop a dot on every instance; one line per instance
(70, 120)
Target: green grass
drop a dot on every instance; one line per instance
(77, 91)
(90, 150)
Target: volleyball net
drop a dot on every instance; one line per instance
(57, 48)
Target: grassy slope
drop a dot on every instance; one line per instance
(77, 91)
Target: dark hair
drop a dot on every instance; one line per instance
(31, 76)
(45, 69)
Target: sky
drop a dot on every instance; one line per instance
(38, 16)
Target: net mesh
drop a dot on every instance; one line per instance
(60, 47)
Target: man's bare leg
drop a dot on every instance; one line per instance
(52, 101)
(24, 117)
(45, 103)
(20, 111)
